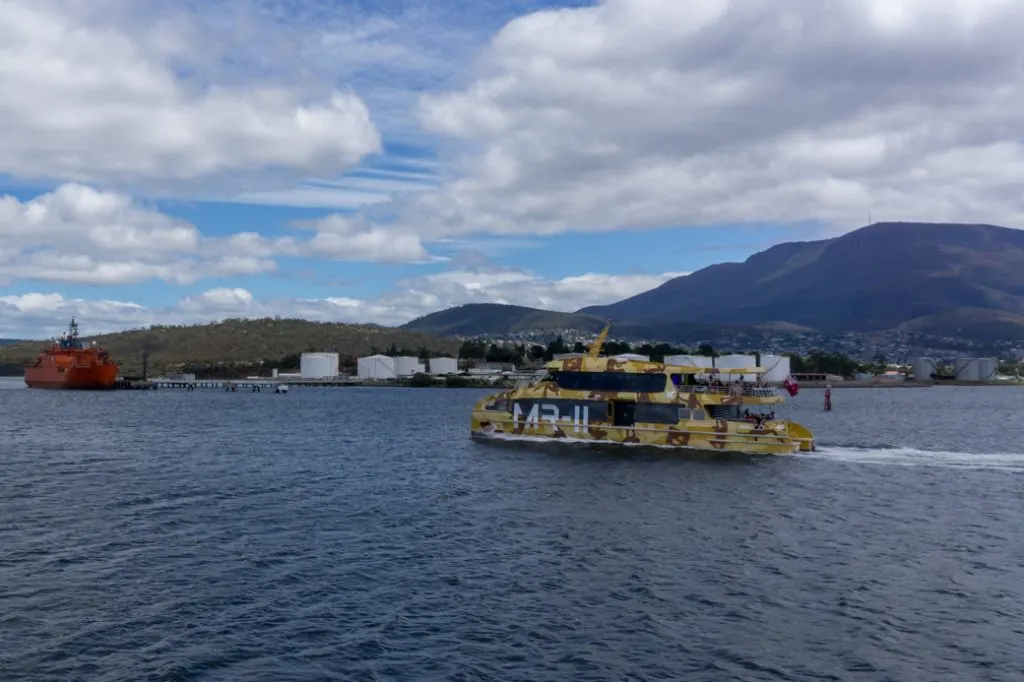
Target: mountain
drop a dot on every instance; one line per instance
(499, 319)
(8, 342)
(503, 320)
(942, 279)
(238, 344)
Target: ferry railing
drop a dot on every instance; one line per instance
(735, 391)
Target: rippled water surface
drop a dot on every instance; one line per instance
(359, 534)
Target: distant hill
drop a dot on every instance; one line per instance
(243, 343)
(943, 279)
(475, 319)
(8, 342)
(499, 319)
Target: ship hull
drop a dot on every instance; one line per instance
(782, 438)
(85, 378)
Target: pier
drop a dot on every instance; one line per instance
(259, 385)
(226, 384)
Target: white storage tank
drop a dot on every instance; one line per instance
(923, 368)
(736, 362)
(376, 367)
(987, 369)
(633, 356)
(318, 365)
(444, 366)
(406, 366)
(689, 360)
(967, 369)
(777, 368)
(692, 361)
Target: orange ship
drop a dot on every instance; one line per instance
(68, 364)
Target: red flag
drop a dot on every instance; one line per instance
(791, 386)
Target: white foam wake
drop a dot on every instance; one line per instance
(914, 457)
(884, 456)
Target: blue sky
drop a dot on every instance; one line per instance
(375, 161)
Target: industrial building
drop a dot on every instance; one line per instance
(975, 369)
(406, 366)
(923, 368)
(737, 362)
(384, 367)
(964, 369)
(689, 360)
(632, 356)
(778, 368)
(319, 365)
(444, 366)
(378, 367)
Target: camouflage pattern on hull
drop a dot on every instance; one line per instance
(612, 400)
(712, 435)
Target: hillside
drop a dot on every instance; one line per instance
(245, 343)
(975, 323)
(929, 276)
(499, 319)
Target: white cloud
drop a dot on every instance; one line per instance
(347, 239)
(647, 113)
(77, 234)
(42, 315)
(37, 315)
(88, 94)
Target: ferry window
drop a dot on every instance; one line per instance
(684, 412)
(654, 413)
(698, 414)
(618, 382)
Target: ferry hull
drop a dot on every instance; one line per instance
(88, 378)
(779, 438)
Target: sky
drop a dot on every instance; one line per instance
(356, 161)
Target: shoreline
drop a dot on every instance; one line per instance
(909, 384)
(270, 382)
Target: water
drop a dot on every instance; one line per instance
(359, 534)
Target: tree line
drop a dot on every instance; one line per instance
(817, 361)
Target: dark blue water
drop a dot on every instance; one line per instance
(359, 534)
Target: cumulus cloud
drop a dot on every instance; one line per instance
(88, 95)
(347, 239)
(37, 315)
(647, 113)
(77, 234)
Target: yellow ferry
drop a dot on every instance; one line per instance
(627, 401)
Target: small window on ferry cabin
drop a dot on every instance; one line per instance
(655, 413)
(617, 382)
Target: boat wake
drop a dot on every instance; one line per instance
(883, 455)
(910, 457)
